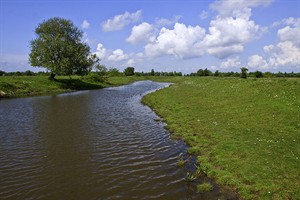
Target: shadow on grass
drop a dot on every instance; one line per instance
(76, 84)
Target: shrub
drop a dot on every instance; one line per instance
(204, 187)
(258, 74)
(93, 77)
(244, 72)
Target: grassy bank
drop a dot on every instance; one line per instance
(246, 131)
(21, 86)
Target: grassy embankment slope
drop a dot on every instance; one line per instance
(21, 86)
(246, 131)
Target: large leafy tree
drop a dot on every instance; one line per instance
(244, 72)
(129, 71)
(59, 48)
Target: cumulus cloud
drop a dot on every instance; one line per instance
(160, 22)
(135, 58)
(140, 33)
(226, 36)
(228, 32)
(85, 24)
(182, 41)
(291, 34)
(101, 51)
(130, 63)
(146, 32)
(286, 53)
(287, 21)
(229, 35)
(283, 55)
(204, 14)
(257, 62)
(239, 8)
(231, 63)
(117, 55)
(120, 21)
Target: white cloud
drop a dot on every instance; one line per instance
(101, 51)
(257, 62)
(291, 21)
(284, 54)
(228, 35)
(85, 24)
(140, 33)
(232, 28)
(119, 21)
(117, 55)
(230, 8)
(160, 22)
(204, 14)
(287, 51)
(182, 41)
(146, 32)
(213, 68)
(291, 34)
(134, 59)
(131, 62)
(231, 63)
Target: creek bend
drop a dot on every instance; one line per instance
(99, 144)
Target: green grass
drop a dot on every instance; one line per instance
(190, 177)
(246, 131)
(22, 86)
(204, 187)
(181, 162)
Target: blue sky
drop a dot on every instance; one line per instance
(182, 35)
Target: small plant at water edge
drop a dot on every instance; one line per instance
(204, 187)
(181, 162)
(190, 177)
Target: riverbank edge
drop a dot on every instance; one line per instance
(225, 189)
(29, 86)
(158, 104)
(230, 192)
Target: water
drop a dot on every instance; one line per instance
(101, 144)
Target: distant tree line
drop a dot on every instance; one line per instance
(25, 73)
(243, 74)
(102, 70)
(154, 73)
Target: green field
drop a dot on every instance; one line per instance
(245, 132)
(22, 86)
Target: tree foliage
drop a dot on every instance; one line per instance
(129, 71)
(204, 72)
(114, 72)
(258, 74)
(244, 72)
(101, 70)
(59, 48)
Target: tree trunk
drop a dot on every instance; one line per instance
(52, 75)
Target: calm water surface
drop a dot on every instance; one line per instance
(101, 144)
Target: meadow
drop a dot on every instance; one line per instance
(245, 132)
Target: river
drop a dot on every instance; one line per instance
(99, 144)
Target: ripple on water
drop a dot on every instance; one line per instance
(101, 144)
